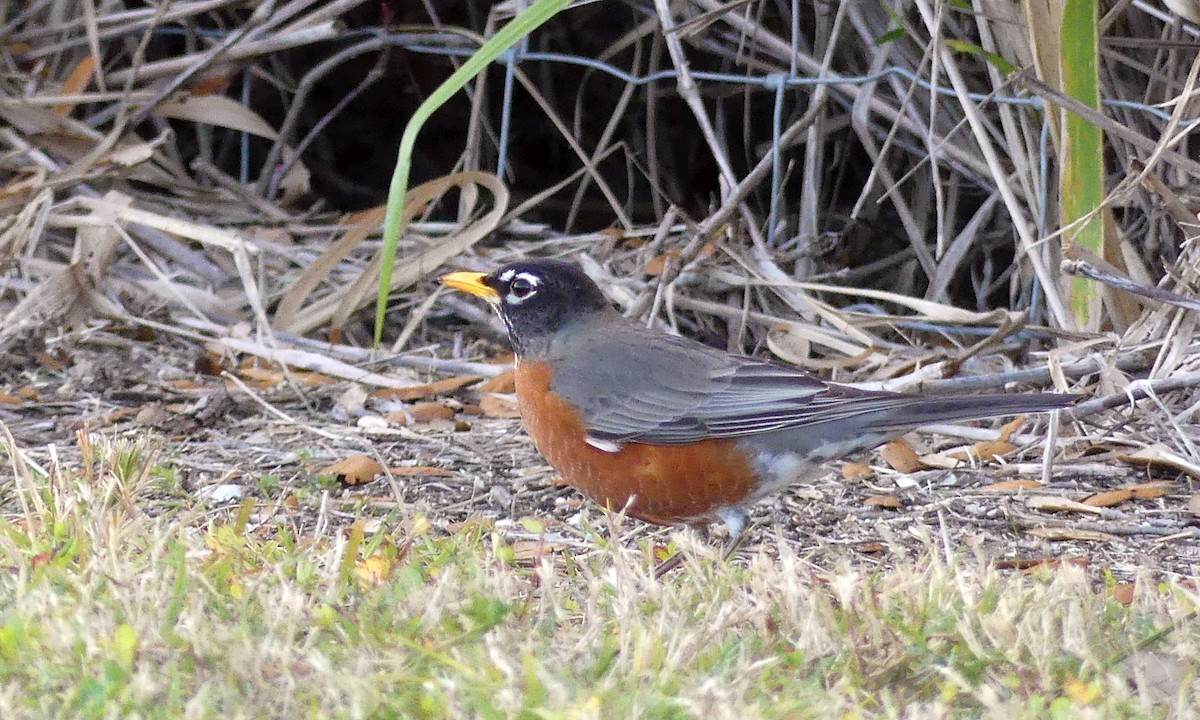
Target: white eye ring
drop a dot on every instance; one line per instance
(521, 288)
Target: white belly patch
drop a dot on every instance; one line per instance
(779, 470)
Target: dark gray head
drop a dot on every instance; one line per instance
(536, 299)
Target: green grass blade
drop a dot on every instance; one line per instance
(519, 27)
(1082, 183)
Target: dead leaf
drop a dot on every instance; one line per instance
(657, 264)
(210, 85)
(1009, 428)
(503, 383)
(856, 472)
(901, 457)
(940, 461)
(76, 82)
(1193, 504)
(1160, 456)
(308, 378)
(1122, 593)
(420, 392)
(1108, 498)
(1151, 490)
(1053, 503)
(499, 406)
(1011, 486)
(1136, 491)
(890, 502)
(259, 378)
(375, 570)
(872, 548)
(420, 413)
(130, 155)
(354, 469)
(216, 110)
(984, 451)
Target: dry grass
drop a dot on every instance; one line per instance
(109, 612)
(172, 270)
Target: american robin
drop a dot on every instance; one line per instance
(675, 431)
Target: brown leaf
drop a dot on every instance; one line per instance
(503, 383)
(872, 547)
(856, 472)
(354, 469)
(1122, 593)
(425, 412)
(901, 457)
(210, 85)
(1009, 428)
(76, 82)
(420, 392)
(1151, 490)
(1108, 498)
(891, 502)
(311, 379)
(498, 406)
(656, 265)
(1011, 486)
(984, 451)
(262, 378)
(1136, 491)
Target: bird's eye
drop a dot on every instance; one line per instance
(520, 288)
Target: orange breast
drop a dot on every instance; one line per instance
(668, 484)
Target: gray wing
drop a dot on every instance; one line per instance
(677, 392)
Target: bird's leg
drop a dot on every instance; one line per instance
(668, 565)
(735, 520)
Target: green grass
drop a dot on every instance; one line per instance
(1082, 182)
(106, 611)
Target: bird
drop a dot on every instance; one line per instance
(675, 432)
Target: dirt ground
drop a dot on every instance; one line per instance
(220, 441)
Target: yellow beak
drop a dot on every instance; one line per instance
(471, 282)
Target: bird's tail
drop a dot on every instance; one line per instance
(845, 407)
(907, 412)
